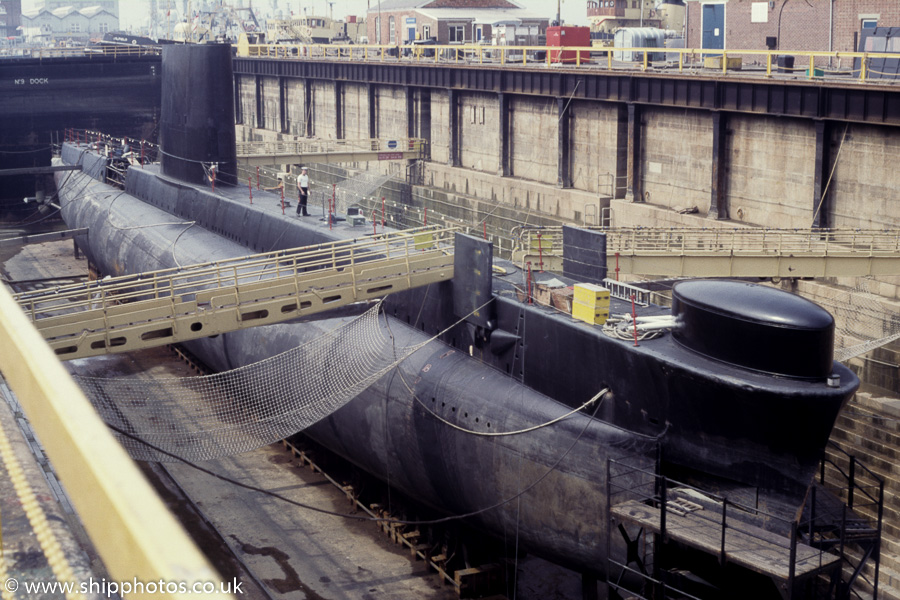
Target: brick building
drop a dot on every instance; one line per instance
(10, 18)
(786, 25)
(453, 22)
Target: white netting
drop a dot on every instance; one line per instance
(201, 418)
(864, 322)
(350, 191)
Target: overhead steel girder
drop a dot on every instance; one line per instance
(846, 101)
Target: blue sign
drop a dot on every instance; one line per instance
(410, 20)
(392, 144)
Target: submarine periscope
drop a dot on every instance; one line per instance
(738, 391)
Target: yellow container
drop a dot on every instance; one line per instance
(592, 294)
(589, 314)
(591, 303)
(541, 243)
(423, 241)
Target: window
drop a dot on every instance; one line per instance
(104, 27)
(869, 23)
(457, 34)
(75, 28)
(426, 32)
(377, 30)
(392, 27)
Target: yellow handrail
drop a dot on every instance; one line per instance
(574, 56)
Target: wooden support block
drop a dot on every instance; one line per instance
(415, 549)
(479, 581)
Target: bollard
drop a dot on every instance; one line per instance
(250, 186)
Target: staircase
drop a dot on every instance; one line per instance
(869, 429)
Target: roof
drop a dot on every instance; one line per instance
(494, 16)
(468, 4)
(64, 11)
(393, 5)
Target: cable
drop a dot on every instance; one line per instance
(278, 496)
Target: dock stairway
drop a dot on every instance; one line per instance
(684, 542)
(134, 312)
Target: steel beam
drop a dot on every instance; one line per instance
(634, 192)
(283, 105)
(55, 236)
(822, 174)
(504, 133)
(38, 170)
(373, 110)
(563, 147)
(338, 110)
(718, 208)
(875, 103)
(260, 105)
(455, 133)
(308, 108)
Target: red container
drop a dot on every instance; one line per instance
(569, 36)
(351, 19)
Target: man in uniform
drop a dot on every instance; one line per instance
(302, 192)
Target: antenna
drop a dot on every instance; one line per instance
(331, 10)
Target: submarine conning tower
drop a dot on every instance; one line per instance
(756, 327)
(197, 122)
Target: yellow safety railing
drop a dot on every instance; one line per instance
(754, 241)
(137, 537)
(811, 64)
(322, 146)
(740, 241)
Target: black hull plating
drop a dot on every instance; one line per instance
(714, 418)
(385, 430)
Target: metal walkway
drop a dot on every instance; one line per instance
(750, 252)
(260, 154)
(133, 312)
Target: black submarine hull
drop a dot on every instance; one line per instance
(390, 429)
(738, 401)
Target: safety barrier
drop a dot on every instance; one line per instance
(812, 65)
(135, 534)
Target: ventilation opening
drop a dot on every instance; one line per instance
(254, 315)
(156, 334)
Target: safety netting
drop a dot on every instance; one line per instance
(864, 322)
(206, 417)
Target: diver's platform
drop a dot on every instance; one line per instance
(750, 546)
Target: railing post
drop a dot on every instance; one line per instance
(852, 483)
(792, 560)
(724, 524)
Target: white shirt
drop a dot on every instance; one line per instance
(303, 180)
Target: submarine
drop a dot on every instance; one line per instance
(739, 393)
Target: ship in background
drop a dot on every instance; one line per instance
(739, 397)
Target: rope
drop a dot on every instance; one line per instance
(38, 521)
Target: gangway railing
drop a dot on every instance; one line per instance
(739, 252)
(804, 555)
(329, 151)
(133, 312)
